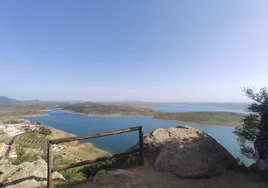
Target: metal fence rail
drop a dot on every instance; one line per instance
(51, 169)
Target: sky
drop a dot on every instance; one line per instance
(150, 50)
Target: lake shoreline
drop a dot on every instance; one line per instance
(151, 117)
(118, 115)
(80, 125)
(213, 125)
(32, 115)
(91, 115)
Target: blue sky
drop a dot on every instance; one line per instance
(195, 51)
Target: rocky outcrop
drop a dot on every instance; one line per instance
(185, 152)
(27, 174)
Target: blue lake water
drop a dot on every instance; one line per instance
(80, 125)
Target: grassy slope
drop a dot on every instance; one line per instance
(72, 151)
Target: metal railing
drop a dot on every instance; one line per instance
(51, 169)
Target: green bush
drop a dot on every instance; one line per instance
(22, 156)
(45, 131)
(93, 169)
(74, 174)
(28, 130)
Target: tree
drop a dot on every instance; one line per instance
(37, 123)
(28, 130)
(249, 130)
(45, 131)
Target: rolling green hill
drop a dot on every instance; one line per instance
(97, 109)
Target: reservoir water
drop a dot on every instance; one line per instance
(80, 125)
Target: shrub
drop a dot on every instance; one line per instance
(73, 174)
(22, 156)
(93, 169)
(45, 131)
(28, 130)
(248, 131)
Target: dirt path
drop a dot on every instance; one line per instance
(146, 177)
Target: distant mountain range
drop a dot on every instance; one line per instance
(7, 101)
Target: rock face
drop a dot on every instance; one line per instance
(30, 175)
(186, 152)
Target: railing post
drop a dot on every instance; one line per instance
(49, 164)
(50, 143)
(141, 146)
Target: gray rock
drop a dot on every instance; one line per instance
(27, 174)
(186, 152)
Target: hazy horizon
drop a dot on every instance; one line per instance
(117, 101)
(184, 51)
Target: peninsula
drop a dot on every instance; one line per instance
(207, 118)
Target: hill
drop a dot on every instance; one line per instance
(97, 109)
(7, 101)
(21, 108)
(207, 118)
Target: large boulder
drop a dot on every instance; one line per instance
(27, 174)
(185, 152)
